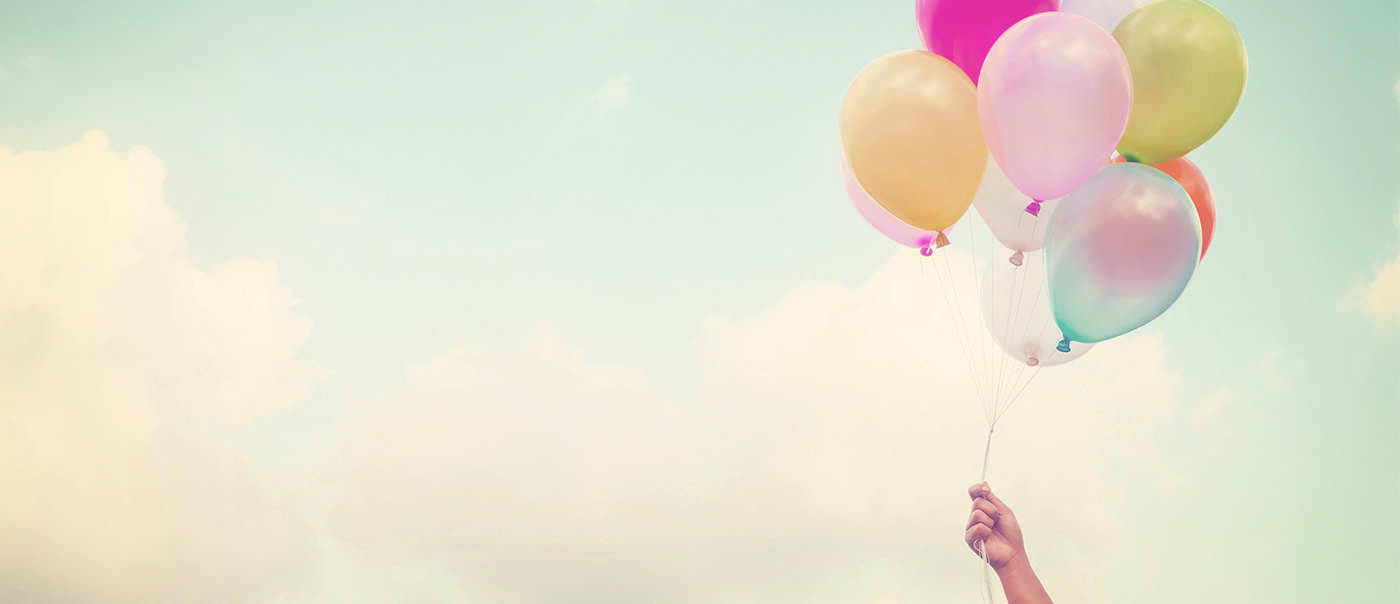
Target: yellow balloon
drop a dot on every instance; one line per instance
(1189, 68)
(910, 134)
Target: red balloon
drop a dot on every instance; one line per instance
(1190, 178)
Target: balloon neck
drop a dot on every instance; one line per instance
(1017, 258)
(1032, 362)
(1033, 208)
(942, 240)
(926, 251)
(1063, 346)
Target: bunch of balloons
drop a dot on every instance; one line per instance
(1050, 96)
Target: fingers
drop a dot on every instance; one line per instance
(980, 517)
(976, 535)
(1001, 507)
(978, 490)
(984, 490)
(987, 507)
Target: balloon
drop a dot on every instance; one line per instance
(1120, 249)
(1054, 100)
(1016, 311)
(962, 31)
(1003, 208)
(1189, 68)
(882, 220)
(1106, 13)
(1190, 178)
(909, 131)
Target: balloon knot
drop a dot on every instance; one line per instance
(942, 240)
(926, 251)
(1063, 346)
(1033, 208)
(1032, 362)
(1017, 258)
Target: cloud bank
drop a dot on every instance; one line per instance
(826, 459)
(123, 369)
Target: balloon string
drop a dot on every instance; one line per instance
(977, 284)
(990, 596)
(1040, 334)
(962, 343)
(1023, 386)
(964, 334)
(987, 453)
(1022, 299)
(1013, 294)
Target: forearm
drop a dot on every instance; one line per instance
(1020, 583)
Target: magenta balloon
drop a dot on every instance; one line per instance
(880, 218)
(962, 31)
(1054, 101)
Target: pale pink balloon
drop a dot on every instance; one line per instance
(1054, 100)
(880, 218)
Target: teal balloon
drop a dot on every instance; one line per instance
(1120, 249)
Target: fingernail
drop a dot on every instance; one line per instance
(986, 488)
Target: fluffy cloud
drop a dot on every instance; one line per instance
(1379, 299)
(123, 368)
(826, 458)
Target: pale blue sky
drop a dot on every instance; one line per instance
(435, 172)
(429, 173)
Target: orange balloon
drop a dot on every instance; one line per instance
(1190, 178)
(910, 133)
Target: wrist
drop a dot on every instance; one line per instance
(1017, 566)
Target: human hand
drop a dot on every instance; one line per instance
(992, 526)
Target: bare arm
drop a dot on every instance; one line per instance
(992, 525)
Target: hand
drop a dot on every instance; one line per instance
(993, 526)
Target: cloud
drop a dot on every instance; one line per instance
(826, 458)
(615, 94)
(1378, 299)
(123, 369)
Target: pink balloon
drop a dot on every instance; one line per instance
(880, 218)
(962, 31)
(1054, 101)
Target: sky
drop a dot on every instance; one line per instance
(564, 302)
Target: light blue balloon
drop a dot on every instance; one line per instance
(1120, 250)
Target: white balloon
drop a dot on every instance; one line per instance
(1003, 208)
(1016, 311)
(1107, 13)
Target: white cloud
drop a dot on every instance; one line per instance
(122, 368)
(1378, 299)
(826, 459)
(615, 94)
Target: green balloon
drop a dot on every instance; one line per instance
(1189, 69)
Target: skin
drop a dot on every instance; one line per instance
(994, 524)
